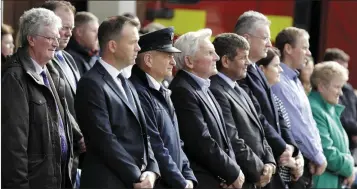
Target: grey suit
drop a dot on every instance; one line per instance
(240, 116)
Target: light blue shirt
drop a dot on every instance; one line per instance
(291, 92)
(203, 83)
(227, 79)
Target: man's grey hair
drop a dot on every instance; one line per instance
(248, 22)
(188, 43)
(34, 20)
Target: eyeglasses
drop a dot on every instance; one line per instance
(266, 39)
(67, 28)
(50, 39)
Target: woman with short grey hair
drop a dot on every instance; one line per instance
(327, 80)
(35, 123)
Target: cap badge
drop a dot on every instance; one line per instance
(172, 36)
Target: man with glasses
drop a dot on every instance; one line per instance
(67, 68)
(254, 26)
(36, 131)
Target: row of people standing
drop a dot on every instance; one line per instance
(117, 116)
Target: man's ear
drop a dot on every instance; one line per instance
(112, 46)
(189, 62)
(31, 40)
(288, 48)
(148, 59)
(225, 61)
(247, 37)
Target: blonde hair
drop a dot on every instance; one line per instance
(325, 72)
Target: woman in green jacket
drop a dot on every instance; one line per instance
(327, 80)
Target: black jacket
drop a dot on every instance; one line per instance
(31, 149)
(349, 115)
(80, 54)
(70, 92)
(207, 144)
(118, 148)
(256, 85)
(163, 131)
(243, 122)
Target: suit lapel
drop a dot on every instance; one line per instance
(254, 73)
(236, 98)
(255, 117)
(219, 111)
(73, 67)
(65, 74)
(111, 83)
(204, 98)
(260, 75)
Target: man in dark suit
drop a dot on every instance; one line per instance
(155, 62)
(200, 119)
(254, 26)
(109, 113)
(67, 68)
(254, 155)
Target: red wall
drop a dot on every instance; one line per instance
(341, 31)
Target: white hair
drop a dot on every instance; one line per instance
(188, 43)
(33, 21)
(248, 22)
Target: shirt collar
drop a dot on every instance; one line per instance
(227, 79)
(38, 68)
(203, 83)
(153, 83)
(110, 69)
(292, 74)
(332, 108)
(59, 52)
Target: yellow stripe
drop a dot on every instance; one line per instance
(185, 20)
(278, 23)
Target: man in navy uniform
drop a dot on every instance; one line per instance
(155, 62)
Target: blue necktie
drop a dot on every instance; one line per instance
(64, 147)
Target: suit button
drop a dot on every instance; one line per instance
(227, 150)
(143, 167)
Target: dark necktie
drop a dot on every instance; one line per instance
(64, 147)
(126, 88)
(241, 97)
(166, 95)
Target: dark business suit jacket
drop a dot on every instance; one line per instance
(277, 132)
(254, 151)
(164, 134)
(118, 149)
(207, 144)
(70, 92)
(70, 88)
